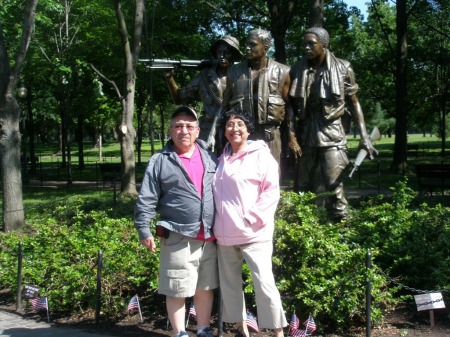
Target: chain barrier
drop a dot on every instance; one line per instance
(414, 290)
(430, 302)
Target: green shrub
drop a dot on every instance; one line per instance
(412, 240)
(316, 268)
(319, 266)
(61, 259)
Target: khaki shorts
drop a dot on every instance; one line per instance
(187, 264)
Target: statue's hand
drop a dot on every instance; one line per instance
(293, 145)
(168, 73)
(366, 144)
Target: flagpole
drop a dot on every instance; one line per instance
(306, 327)
(289, 329)
(139, 308)
(187, 320)
(48, 316)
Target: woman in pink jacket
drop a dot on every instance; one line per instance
(246, 191)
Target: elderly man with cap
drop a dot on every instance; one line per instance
(322, 85)
(177, 185)
(209, 86)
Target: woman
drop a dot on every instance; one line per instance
(246, 191)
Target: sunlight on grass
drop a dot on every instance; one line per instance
(372, 174)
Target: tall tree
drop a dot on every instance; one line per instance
(127, 132)
(401, 128)
(13, 212)
(316, 13)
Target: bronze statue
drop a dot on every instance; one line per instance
(209, 86)
(322, 87)
(260, 87)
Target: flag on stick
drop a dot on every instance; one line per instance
(251, 322)
(192, 313)
(310, 325)
(294, 323)
(134, 304)
(39, 303)
(298, 333)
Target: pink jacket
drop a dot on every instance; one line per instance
(246, 193)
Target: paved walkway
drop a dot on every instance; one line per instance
(15, 325)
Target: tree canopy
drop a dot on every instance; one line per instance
(70, 103)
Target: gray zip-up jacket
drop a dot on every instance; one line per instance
(168, 191)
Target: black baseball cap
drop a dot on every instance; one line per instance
(185, 110)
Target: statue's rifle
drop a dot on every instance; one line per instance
(374, 136)
(167, 64)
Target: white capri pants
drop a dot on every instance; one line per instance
(258, 256)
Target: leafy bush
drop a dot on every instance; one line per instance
(413, 240)
(319, 266)
(318, 270)
(61, 259)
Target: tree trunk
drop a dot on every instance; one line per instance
(401, 126)
(80, 136)
(30, 130)
(13, 212)
(127, 132)
(315, 13)
(140, 124)
(280, 18)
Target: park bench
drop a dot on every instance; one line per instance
(110, 172)
(433, 177)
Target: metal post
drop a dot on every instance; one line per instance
(99, 287)
(359, 177)
(114, 188)
(379, 176)
(368, 295)
(19, 276)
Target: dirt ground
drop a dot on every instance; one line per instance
(405, 321)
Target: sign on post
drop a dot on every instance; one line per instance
(30, 291)
(429, 301)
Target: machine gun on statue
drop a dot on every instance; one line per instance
(167, 64)
(374, 136)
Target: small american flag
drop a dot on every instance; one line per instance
(133, 304)
(251, 322)
(39, 303)
(298, 333)
(310, 325)
(192, 311)
(294, 323)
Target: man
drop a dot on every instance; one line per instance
(260, 86)
(322, 85)
(178, 185)
(209, 86)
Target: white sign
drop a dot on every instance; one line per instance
(429, 301)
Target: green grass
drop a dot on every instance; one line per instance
(372, 174)
(51, 166)
(377, 173)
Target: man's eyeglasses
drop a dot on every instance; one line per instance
(238, 125)
(189, 127)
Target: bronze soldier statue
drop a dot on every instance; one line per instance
(209, 86)
(260, 87)
(322, 86)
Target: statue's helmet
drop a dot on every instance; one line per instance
(231, 42)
